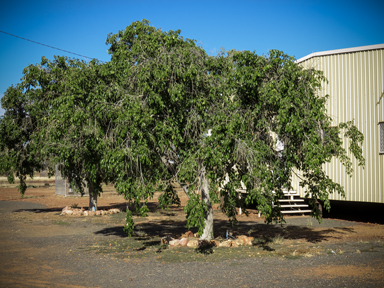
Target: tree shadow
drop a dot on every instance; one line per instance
(263, 233)
(264, 243)
(39, 210)
(57, 209)
(205, 249)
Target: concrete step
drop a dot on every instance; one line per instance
(295, 211)
(291, 195)
(294, 206)
(289, 192)
(289, 200)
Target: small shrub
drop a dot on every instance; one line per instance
(141, 233)
(278, 239)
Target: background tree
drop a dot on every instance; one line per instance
(54, 114)
(18, 157)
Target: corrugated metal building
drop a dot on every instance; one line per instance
(356, 89)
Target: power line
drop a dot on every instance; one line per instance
(49, 46)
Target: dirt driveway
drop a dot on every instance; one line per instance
(40, 248)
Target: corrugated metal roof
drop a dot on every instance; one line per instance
(341, 51)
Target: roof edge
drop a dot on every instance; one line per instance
(341, 51)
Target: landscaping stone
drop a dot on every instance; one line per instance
(174, 243)
(249, 241)
(67, 212)
(227, 243)
(114, 211)
(80, 212)
(234, 244)
(183, 242)
(193, 243)
(188, 234)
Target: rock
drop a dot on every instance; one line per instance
(234, 244)
(85, 213)
(239, 242)
(77, 212)
(189, 234)
(242, 237)
(67, 212)
(215, 243)
(98, 213)
(103, 212)
(193, 243)
(227, 243)
(245, 240)
(91, 213)
(174, 243)
(183, 242)
(196, 235)
(114, 211)
(249, 241)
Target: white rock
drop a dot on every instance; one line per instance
(68, 212)
(66, 208)
(174, 243)
(183, 242)
(193, 243)
(227, 243)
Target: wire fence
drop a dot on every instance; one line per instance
(63, 187)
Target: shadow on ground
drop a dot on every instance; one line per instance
(47, 210)
(261, 231)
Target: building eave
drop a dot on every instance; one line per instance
(341, 51)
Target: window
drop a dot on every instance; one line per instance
(381, 133)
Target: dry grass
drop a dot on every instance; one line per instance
(278, 239)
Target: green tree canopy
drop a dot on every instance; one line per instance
(162, 111)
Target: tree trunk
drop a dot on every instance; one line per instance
(92, 198)
(208, 225)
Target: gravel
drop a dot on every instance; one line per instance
(51, 255)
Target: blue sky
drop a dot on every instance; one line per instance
(296, 27)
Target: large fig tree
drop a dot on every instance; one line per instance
(162, 112)
(214, 122)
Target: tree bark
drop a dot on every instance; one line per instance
(92, 198)
(208, 225)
